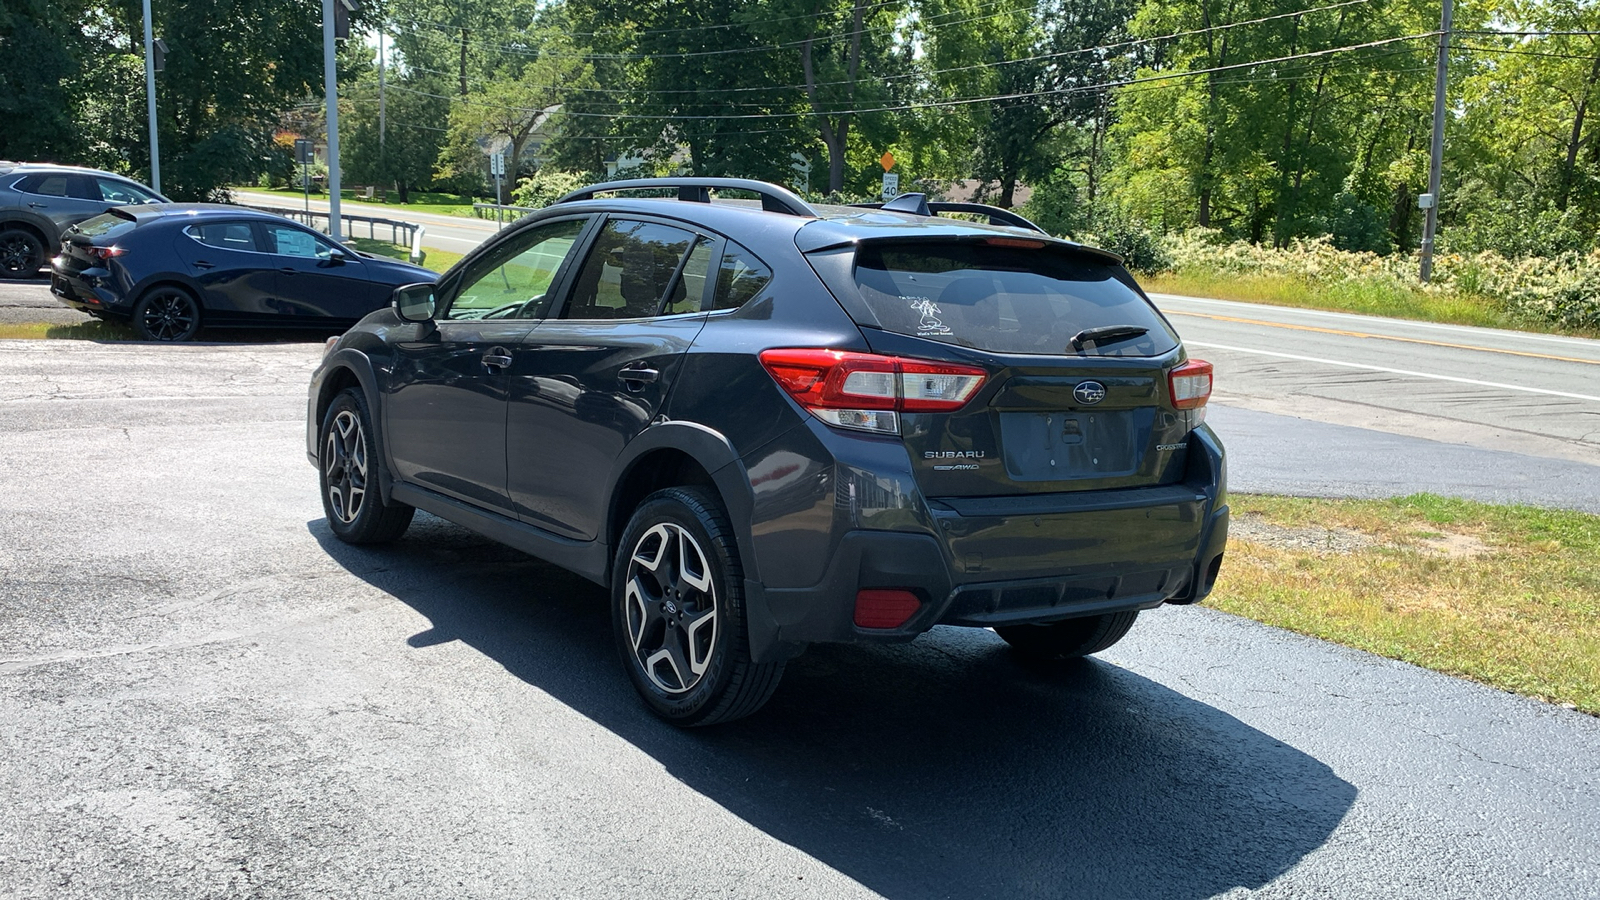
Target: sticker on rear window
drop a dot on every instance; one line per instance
(930, 323)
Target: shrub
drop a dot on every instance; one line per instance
(545, 187)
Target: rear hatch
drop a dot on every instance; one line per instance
(1076, 362)
(93, 241)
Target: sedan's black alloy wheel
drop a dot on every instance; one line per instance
(347, 466)
(21, 254)
(677, 612)
(1069, 639)
(167, 313)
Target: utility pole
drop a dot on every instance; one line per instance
(381, 109)
(1430, 200)
(150, 98)
(330, 75)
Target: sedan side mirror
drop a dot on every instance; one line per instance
(414, 302)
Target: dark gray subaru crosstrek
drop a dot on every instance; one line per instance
(762, 425)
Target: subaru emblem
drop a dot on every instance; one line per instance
(1089, 392)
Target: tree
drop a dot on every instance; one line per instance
(400, 147)
(509, 110)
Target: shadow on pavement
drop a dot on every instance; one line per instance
(940, 768)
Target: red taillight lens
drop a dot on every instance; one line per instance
(105, 253)
(885, 608)
(867, 391)
(1190, 384)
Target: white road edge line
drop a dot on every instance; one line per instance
(1429, 375)
(1264, 310)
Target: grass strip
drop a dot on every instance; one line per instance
(437, 260)
(1508, 596)
(421, 201)
(91, 330)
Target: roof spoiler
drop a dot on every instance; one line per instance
(918, 205)
(698, 190)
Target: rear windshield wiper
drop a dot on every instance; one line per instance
(1106, 334)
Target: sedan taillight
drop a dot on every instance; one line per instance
(866, 391)
(105, 253)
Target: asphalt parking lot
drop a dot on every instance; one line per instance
(202, 694)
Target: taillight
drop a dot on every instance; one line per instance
(867, 391)
(1190, 384)
(105, 253)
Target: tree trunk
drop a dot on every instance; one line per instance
(1575, 139)
(463, 62)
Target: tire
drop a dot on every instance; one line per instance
(677, 612)
(21, 254)
(347, 473)
(167, 313)
(1069, 639)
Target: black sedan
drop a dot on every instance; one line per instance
(171, 269)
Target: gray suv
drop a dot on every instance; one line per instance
(39, 202)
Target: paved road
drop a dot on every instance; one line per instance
(30, 302)
(203, 694)
(1501, 390)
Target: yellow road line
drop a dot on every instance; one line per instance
(1383, 337)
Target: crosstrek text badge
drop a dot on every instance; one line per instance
(1089, 392)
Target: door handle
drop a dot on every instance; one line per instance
(497, 358)
(288, 271)
(39, 205)
(202, 264)
(636, 379)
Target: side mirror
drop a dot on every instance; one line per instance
(414, 302)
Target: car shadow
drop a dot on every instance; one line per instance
(939, 768)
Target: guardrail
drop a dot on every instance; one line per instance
(349, 220)
(498, 212)
(413, 231)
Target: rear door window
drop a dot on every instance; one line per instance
(226, 235)
(628, 270)
(1007, 299)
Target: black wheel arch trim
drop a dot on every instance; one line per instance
(714, 453)
(326, 386)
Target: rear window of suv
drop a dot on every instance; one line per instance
(1005, 299)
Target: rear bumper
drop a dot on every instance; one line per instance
(87, 291)
(985, 562)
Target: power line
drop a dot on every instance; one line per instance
(513, 50)
(946, 103)
(933, 73)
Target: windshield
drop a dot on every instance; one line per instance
(1008, 299)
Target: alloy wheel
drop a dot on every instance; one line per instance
(671, 605)
(344, 466)
(18, 256)
(169, 316)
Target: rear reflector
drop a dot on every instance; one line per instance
(885, 608)
(866, 391)
(1190, 384)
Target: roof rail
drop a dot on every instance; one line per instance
(918, 205)
(698, 190)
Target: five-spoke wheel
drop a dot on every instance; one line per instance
(678, 612)
(344, 466)
(671, 607)
(347, 468)
(167, 313)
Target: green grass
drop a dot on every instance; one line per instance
(437, 260)
(1505, 595)
(421, 201)
(1373, 297)
(92, 330)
